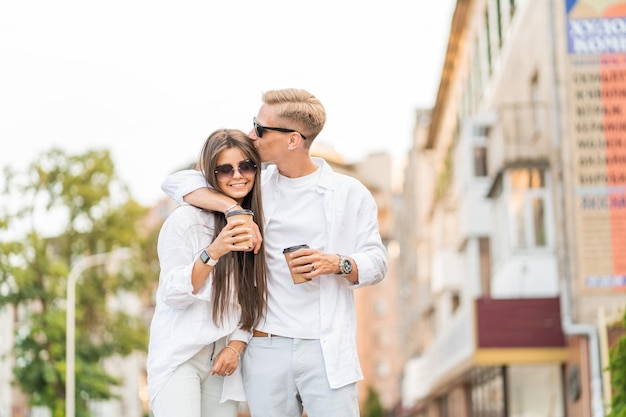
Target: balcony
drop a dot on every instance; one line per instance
(447, 272)
(519, 136)
(488, 332)
(475, 211)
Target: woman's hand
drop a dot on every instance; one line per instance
(228, 240)
(227, 361)
(233, 237)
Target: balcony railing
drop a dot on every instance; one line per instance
(521, 134)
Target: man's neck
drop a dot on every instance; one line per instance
(295, 168)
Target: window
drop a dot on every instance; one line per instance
(503, 14)
(527, 202)
(476, 81)
(512, 7)
(444, 409)
(539, 225)
(493, 27)
(485, 266)
(428, 326)
(488, 395)
(480, 161)
(537, 107)
(499, 21)
(480, 132)
(455, 301)
(383, 368)
(483, 53)
(380, 307)
(381, 338)
(488, 43)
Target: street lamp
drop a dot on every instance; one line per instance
(70, 318)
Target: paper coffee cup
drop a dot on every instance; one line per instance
(244, 214)
(297, 278)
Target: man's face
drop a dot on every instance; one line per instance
(273, 146)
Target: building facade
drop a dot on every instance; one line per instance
(381, 353)
(514, 196)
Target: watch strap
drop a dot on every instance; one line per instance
(343, 268)
(206, 259)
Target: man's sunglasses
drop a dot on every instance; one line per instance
(260, 129)
(225, 172)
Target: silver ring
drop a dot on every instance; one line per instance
(312, 267)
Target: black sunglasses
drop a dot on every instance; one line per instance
(259, 129)
(225, 172)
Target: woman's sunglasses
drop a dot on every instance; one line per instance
(260, 129)
(225, 172)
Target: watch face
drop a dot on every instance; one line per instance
(346, 266)
(204, 257)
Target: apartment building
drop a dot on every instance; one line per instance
(514, 253)
(380, 352)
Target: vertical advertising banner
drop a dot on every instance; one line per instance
(596, 39)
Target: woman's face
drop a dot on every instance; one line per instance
(235, 175)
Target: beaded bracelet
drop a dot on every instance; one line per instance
(234, 350)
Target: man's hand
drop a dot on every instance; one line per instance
(257, 240)
(312, 263)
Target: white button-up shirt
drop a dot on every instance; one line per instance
(182, 324)
(352, 230)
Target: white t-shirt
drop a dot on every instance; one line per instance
(293, 310)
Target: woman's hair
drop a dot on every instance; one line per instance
(243, 274)
(298, 107)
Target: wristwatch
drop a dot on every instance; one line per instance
(206, 258)
(345, 265)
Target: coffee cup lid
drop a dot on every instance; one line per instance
(295, 248)
(236, 212)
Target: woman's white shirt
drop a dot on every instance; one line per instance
(182, 323)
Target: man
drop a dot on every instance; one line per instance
(303, 354)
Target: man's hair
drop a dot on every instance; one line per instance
(300, 108)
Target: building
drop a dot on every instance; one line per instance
(514, 198)
(381, 354)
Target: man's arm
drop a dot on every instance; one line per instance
(210, 199)
(189, 186)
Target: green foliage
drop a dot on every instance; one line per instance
(372, 406)
(617, 366)
(89, 212)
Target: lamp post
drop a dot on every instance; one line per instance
(70, 319)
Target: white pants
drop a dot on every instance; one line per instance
(282, 376)
(191, 392)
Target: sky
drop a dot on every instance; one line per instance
(149, 80)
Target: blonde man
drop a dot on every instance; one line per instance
(303, 354)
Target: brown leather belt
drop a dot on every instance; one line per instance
(258, 333)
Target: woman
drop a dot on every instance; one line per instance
(212, 290)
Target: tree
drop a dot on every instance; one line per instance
(91, 212)
(617, 366)
(372, 406)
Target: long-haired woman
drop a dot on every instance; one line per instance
(212, 290)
